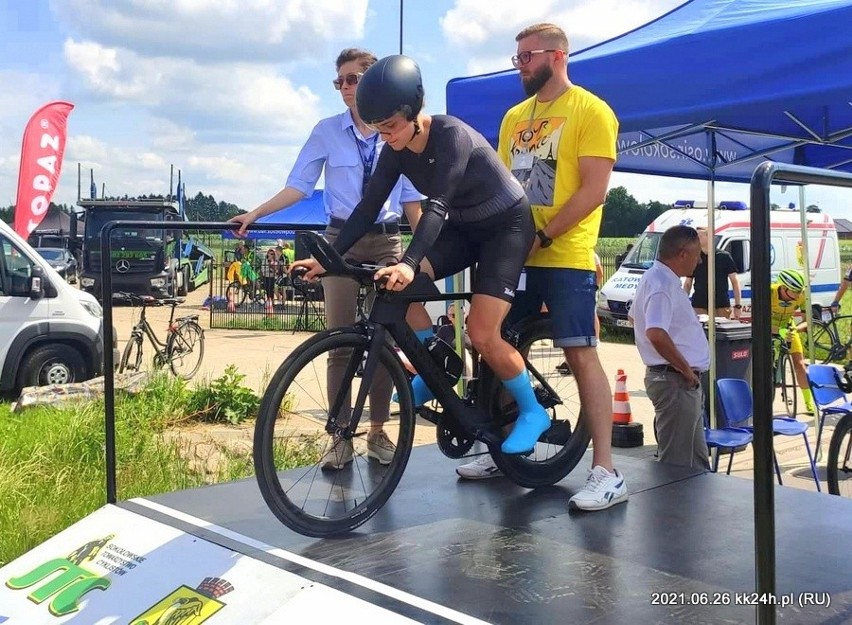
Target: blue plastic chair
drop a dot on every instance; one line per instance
(737, 404)
(729, 434)
(829, 398)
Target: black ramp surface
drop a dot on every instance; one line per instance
(505, 554)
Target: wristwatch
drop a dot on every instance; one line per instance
(738, 306)
(546, 241)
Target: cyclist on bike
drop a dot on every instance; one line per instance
(476, 213)
(787, 296)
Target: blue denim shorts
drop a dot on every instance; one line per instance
(569, 295)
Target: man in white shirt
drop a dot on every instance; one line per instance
(674, 349)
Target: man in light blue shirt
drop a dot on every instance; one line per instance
(347, 151)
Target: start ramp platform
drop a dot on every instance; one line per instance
(444, 550)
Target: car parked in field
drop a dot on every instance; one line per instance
(62, 260)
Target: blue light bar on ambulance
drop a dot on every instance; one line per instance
(684, 204)
(733, 206)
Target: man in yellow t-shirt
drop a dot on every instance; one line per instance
(786, 298)
(560, 144)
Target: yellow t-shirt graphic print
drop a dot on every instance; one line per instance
(542, 144)
(539, 139)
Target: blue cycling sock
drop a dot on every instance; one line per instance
(424, 334)
(532, 418)
(421, 392)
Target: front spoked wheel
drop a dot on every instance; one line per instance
(235, 293)
(185, 349)
(839, 463)
(787, 382)
(131, 358)
(319, 483)
(560, 448)
(825, 343)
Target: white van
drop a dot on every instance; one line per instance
(733, 235)
(50, 332)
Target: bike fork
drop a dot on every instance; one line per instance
(373, 358)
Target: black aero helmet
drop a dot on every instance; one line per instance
(391, 85)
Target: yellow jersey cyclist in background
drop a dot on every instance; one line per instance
(787, 297)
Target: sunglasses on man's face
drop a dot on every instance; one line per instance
(349, 79)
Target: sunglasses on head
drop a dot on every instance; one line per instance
(350, 79)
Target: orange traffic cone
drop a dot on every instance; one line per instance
(620, 400)
(625, 431)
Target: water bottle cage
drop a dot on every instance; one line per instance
(446, 357)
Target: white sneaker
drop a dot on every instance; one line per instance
(480, 469)
(602, 490)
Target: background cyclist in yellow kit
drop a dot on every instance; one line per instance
(787, 296)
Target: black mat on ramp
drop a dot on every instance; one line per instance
(505, 554)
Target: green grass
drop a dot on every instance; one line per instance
(271, 324)
(52, 468)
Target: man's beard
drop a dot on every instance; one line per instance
(536, 81)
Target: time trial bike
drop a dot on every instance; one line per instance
(298, 423)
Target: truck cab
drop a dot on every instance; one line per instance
(145, 261)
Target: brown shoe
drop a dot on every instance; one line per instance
(338, 456)
(380, 447)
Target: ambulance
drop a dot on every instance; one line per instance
(733, 234)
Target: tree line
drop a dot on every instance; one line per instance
(199, 208)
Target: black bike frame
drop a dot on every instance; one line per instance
(388, 317)
(146, 327)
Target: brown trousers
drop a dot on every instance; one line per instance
(341, 295)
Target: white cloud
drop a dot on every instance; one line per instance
(485, 29)
(216, 30)
(25, 92)
(230, 101)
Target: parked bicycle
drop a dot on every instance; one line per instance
(181, 351)
(832, 336)
(296, 426)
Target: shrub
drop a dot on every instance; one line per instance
(225, 399)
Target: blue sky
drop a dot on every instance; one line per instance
(228, 90)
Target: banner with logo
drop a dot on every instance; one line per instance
(118, 567)
(41, 162)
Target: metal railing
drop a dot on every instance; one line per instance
(764, 480)
(109, 359)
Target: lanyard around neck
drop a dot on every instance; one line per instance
(367, 159)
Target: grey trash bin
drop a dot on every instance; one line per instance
(733, 356)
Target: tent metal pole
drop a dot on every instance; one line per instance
(711, 278)
(806, 267)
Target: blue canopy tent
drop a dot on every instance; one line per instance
(307, 212)
(711, 89)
